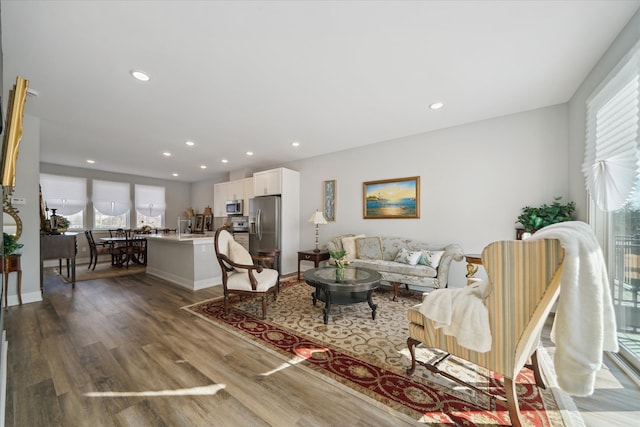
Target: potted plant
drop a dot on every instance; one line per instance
(10, 244)
(533, 219)
(62, 223)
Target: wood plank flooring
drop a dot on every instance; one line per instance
(120, 352)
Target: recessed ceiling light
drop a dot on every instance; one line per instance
(436, 105)
(190, 143)
(174, 174)
(203, 166)
(224, 161)
(249, 153)
(140, 75)
(91, 161)
(295, 144)
(166, 154)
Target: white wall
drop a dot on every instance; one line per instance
(27, 180)
(474, 180)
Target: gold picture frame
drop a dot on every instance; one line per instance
(391, 198)
(329, 199)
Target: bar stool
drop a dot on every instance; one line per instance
(11, 265)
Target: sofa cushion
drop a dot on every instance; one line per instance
(349, 246)
(395, 267)
(407, 257)
(337, 241)
(431, 258)
(369, 247)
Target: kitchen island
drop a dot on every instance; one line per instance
(188, 260)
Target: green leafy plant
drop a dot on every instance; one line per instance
(10, 244)
(63, 223)
(533, 219)
(340, 258)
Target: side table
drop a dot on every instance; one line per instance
(271, 256)
(12, 264)
(313, 256)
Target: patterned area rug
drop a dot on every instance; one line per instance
(371, 357)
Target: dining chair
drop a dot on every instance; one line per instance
(96, 249)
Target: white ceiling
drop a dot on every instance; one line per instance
(257, 75)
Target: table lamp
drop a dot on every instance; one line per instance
(317, 218)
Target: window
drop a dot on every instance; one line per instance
(150, 205)
(67, 195)
(611, 170)
(111, 204)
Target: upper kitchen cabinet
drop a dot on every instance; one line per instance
(269, 182)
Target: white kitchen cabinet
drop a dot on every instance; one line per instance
(248, 194)
(235, 190)
(268, 182)
(220, 199)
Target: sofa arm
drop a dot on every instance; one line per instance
(451, 253)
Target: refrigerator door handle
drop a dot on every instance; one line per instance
(259, 223)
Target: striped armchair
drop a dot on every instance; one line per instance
(524, 279)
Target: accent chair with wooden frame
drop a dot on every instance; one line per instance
(524, 280)
(240, 273)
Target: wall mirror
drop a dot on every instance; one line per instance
(11, 222)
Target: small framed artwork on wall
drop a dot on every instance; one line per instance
(329, 200)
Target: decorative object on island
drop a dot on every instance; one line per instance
(533, 219)
(317, 218)
(208, 219)
(190, 212)
(391, 198)
(329, 200)
(10, 244)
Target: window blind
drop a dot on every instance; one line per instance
(111, 198)
(66, 194)
(612, 153)
(150, 200)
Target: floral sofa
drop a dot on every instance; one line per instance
(399, 260)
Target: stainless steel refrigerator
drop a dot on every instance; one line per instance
(265, 224)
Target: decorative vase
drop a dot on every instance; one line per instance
(339, 274)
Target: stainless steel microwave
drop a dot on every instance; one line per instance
(234, 207)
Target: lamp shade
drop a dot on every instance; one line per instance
(317, 218)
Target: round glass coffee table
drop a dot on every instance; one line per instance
(356, 286)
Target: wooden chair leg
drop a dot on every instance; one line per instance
(512, 402)
(264, 306)
(226, 303)
(535, 367)
(411, 343)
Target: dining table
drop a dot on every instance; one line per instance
(128, 249)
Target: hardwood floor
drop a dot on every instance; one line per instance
(121, 352)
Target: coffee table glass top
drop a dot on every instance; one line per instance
(351, 275)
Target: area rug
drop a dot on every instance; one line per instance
(371, 356)
(102, 271)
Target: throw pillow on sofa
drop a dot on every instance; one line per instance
(369, 247)
(349, 246)
(430, 258)
(408, 257)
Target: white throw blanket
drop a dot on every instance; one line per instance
(585, 323)
(461, 313)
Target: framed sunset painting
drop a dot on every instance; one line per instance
(391, 198)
